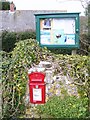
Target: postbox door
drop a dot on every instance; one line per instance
(37, 93)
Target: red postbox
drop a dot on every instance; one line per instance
(37, 87)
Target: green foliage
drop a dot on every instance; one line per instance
(4, 5)
(78, 69)
(8, 41)
(10, 38)
(15, 67)
(68, 107)
(26, 35)
(84, 44)
(60, 51)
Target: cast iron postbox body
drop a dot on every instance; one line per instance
(37, 87)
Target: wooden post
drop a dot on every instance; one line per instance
(74, 52)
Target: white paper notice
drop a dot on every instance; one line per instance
(37, 94)
(67, 24)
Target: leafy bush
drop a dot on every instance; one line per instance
(15, 67)
(8, 41)
(14, 74)
(68, 107)
(61, 51)
(10, 38)
(4, 5)
(26, 35)
(84, 44)
(78, 69)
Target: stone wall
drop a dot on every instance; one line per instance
(20, 20)
(17, 21)
(55, 85)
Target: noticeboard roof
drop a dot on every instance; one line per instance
(56, 13)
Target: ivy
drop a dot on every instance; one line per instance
(4, 5)
(15, 67)
(68, 107)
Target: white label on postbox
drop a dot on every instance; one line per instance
(37, 95)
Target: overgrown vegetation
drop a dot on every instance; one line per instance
(15, 67)
(84, 44)
(10, 38)
(68, 107)
(4, 5)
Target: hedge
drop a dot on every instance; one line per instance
(15, 67)
(4, 5)
(68, 107)
(10, 38)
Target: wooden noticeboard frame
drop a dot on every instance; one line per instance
(58, 30)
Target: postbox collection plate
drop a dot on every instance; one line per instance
(37, 87)
(37, 95)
